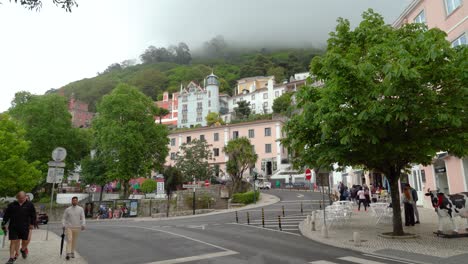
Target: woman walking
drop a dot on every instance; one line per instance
(408, 201)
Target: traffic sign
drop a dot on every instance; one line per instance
(55, 175)
(59, 164)
(308, 174)
(160, 187)
(188, 186)
(59, 154)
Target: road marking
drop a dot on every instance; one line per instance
(296, 229)
(202, 227)
(360, 260)
(322, 262)
(394, 259)
(300, 195)
(194, 258)
(269, 229)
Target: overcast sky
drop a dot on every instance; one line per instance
(50, 48)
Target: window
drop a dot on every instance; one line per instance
(199, 106)
(267, 148)
(172, 141)
(173, 155)
(184, 98)
(235, 134)
(209, 94)
(267, 131)
(251, 133)
(216, 170)
(265, 104)
(265, 96)
(276, 94)
(459, 41)
(189, 139)
(253, 96)
(202, 137)
(216, 152)
(451, 5)
(199, 96)
(420, 18)
(253, 107)
(216, 136)
(184, 108)
(209, 103)
(234, 101)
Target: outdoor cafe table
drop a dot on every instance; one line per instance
(380, 211)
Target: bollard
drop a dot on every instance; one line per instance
(320, 204)
(263, 218)
(248, 218)
(237, 218)
(282, 207)
(314, 217)
(302, 210)
(357, 239)
(279, 223)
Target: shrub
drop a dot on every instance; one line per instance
(245, 198)
(202, 201)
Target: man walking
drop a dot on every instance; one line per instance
(21, 216)
(73, 221)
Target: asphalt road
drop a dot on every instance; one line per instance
(217, 238)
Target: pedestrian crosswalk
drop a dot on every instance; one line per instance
(358, 260)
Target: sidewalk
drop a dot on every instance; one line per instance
(42, 251)
(426, 248)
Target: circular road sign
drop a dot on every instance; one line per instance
(308, 174)
(59, 154)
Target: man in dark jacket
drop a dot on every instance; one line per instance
(414, 193)
(21, 216)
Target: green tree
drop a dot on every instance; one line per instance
(392, 97)
(278, 72)
(162, 112)
(16, 173)
(242, 157)
(37, 4)
(131, 143)
(213, 118)
(48, 125)
(282, 104)
(172, 180)
(94, 171)
(193, 160)
(242, 109)
(148, 186)
(149, 81)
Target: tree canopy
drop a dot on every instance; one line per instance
(213, 118)
(193, 160)
(242, 157)
(16, 173)
(242, 109)
(37, 4)
(126, 135)
(391, 97)
(282, 104)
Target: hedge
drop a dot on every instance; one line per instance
(245, 198)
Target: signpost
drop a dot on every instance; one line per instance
(55, 174)
(194, 187)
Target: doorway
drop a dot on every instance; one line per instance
(269, 167)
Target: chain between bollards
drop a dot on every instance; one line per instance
(282, 208)
(248, 218)
(237, 218)
(279, 223)
(263, 218)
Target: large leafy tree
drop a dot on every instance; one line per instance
(16, 173)
(242, 157)
(213, 118)
(193, 160)
(94, 171)
(48, 125)
(127, 137)
(282, 104)
(391, 97)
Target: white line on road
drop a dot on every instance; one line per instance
(322, 262)
(394, 259)
(194, 258)
(300, 195)
(360, 260)
(259, 227)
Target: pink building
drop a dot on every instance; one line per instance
(263, 134)
(450, 16)
(448, 173)
(81, 117)
(171, 105)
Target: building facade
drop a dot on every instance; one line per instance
(447, 173)
(81, 117)
(450, 16)
(171, 104)
(264, 135)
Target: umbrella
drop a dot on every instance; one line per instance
(61, 242)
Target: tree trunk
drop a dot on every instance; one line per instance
(125, 189)
(100, 195)
(168, 204)
(393, 177)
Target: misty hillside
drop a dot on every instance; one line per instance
(165, 69)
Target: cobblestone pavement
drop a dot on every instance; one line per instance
(426, 248)
(42, 251)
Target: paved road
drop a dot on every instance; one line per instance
(217, 238)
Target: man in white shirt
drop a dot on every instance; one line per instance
(73, 222)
